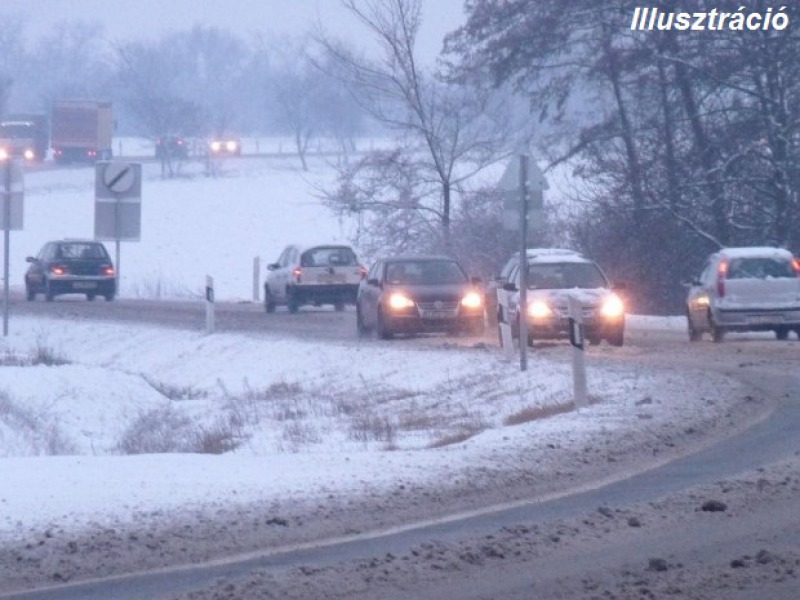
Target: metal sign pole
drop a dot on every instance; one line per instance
(6, 242)
(523, 263)
(117, 229)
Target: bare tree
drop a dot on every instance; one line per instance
(448, 130)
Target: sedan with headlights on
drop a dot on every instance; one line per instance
(554, 276)
(417, 294)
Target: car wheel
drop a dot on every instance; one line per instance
(109, 297)
(617, 338)
(30, 295)
(782, 333)
(90, 297)
(594, 340)
(338, 306)
(49, 294)
(361, 327)
(380, 328)
(476, 328)
(291, 301)
(694, 334)
(717, 332)
(269, 301)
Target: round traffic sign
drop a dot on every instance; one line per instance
(119, 177)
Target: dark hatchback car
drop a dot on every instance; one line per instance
(71, 267)
(411, 294)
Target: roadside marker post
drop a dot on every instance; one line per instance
(209, 304)
(577, 341)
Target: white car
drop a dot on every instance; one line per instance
(325, 274)
(745, 289)
(553, 276)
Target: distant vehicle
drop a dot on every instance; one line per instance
(71, 267)
(745, 289)
(554, 275)
(325, 274)
(171, 146)
(225, 145)
(419, 293)
(81, 131)
(24, 136)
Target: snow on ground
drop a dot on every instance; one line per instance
(104, 421)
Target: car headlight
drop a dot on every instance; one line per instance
(215, 146)
(703, 300)
(539, 309)
(230, 146)
(399, 301)
(612, 308)
(472, 300)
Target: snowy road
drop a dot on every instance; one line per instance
(643, 531)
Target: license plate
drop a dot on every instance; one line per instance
(335, 278)
(84, 285)
(437, 314)
(761, 319)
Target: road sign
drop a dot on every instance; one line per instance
(11, 198)
(118, 180)
(510, 184)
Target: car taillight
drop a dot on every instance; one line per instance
(722, 271)
(108, 270)
(59, 270)
(796, 266)
(298, 274)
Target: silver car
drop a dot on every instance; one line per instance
(745, 289)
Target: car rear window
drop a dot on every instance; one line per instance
(328, 257)
(425, 272)
(556, 276)
(760, 268)
(79, 250)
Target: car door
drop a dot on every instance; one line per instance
(276, 276)
(370, 294)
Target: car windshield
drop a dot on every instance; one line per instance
(425, 272)
(79, 250)
(760, 268)
(328, 257)
(554, 276)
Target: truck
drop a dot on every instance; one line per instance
(25, 136)
(81, 130)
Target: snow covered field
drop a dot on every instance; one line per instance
(107, 422)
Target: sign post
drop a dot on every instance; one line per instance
(522, 184)
(11, 219)
(118, 204)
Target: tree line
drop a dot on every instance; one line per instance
(678, 142)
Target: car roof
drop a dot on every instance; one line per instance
(408, 257)
(755, 252)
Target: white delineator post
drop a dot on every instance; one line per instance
(256, 279)
(576, 339)
(209, 304)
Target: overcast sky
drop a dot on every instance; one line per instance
(128, 19)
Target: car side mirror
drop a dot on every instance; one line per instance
(509, 287)
(30, 259)
(272, 266)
